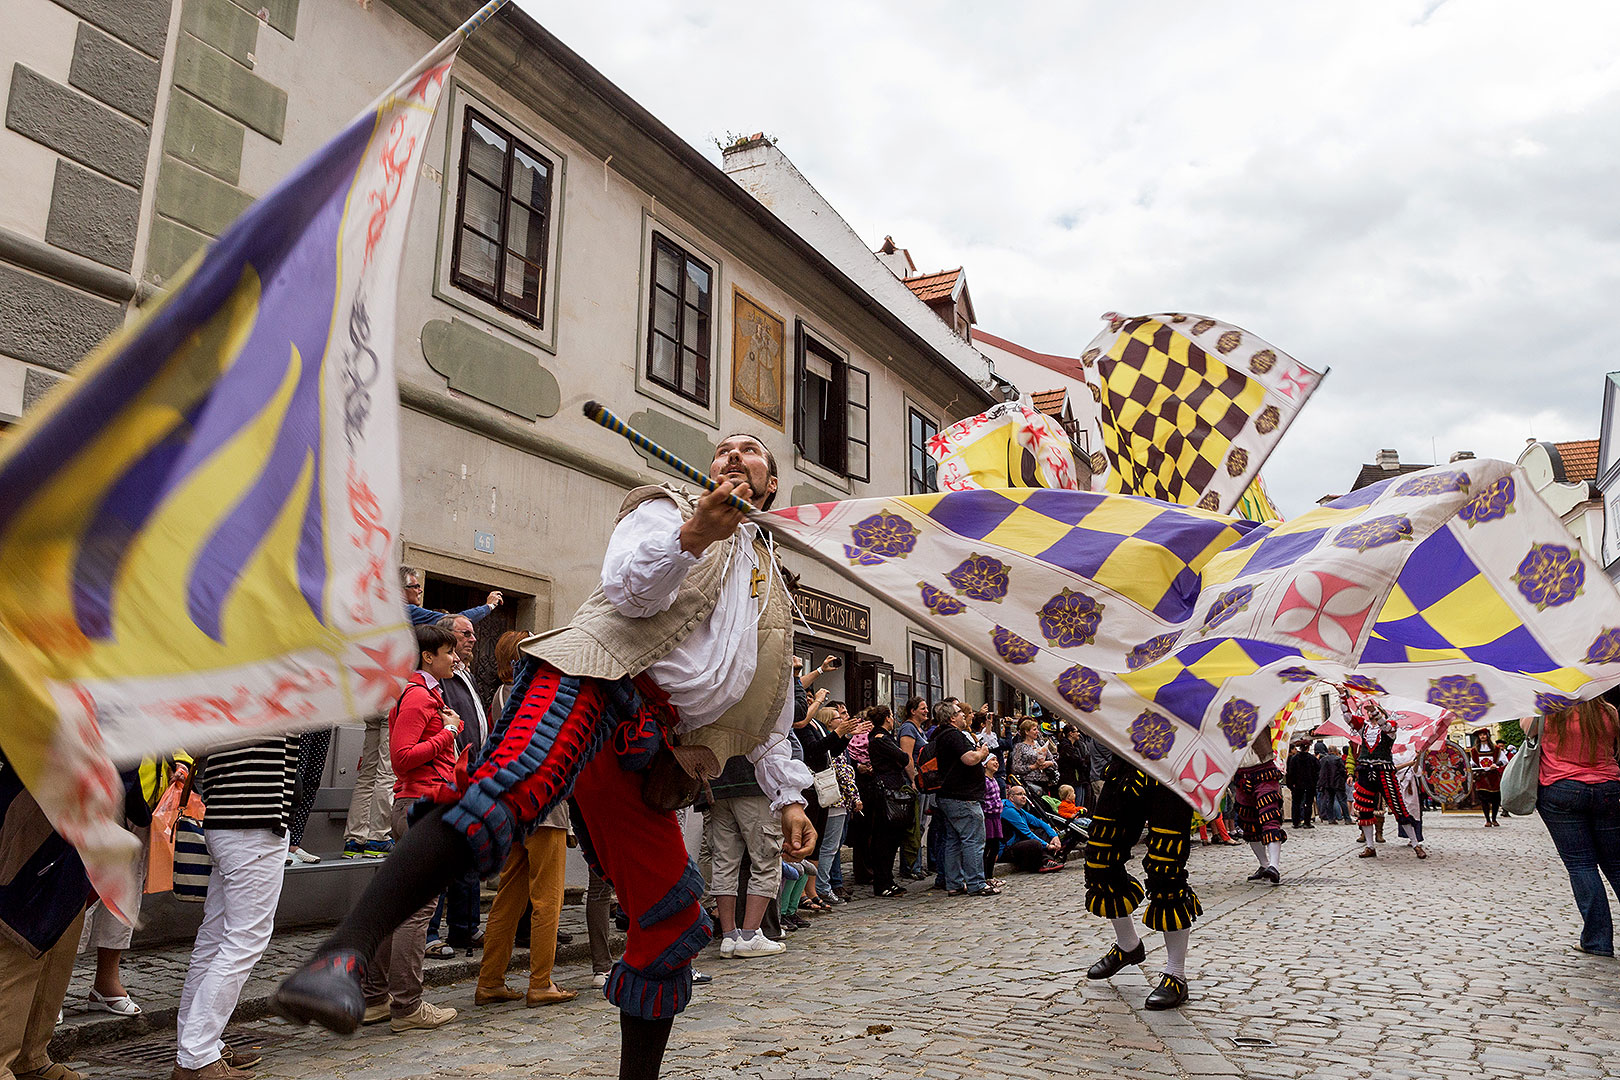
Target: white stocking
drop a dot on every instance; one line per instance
(1367, 832)
(1175, 952)
(1259, 851)
(1125, 933)
(1273, 850)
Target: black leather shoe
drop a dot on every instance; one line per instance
(564, 938)
(1258, 875)
(1114, 959)
(1170, 993)
(326, 991)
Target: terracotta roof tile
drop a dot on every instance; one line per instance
(1049, 402)
(932, 288)
(1580, 459)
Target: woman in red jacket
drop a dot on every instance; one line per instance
(422, 747)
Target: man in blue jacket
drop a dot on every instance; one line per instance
(1029, 843)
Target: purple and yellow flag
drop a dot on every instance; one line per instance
(1172, 633)
(198, 536)
(1189, 407)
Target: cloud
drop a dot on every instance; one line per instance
(1405, 192)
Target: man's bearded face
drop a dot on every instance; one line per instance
(741, 459)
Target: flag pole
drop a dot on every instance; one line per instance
(480, 17)
(605, 416)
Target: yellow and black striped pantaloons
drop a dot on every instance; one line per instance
(1130, 800)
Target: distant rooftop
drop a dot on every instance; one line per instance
(1063, 365)
(932, 288)
(1580, 459)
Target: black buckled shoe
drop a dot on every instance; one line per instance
(1170, 993)
(325, 991)
(1115, 959)
(1258, 875)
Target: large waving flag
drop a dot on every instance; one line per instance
(1189, 407)
(1172, 633)
(198, 535)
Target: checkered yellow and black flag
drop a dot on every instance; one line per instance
(1189, 407)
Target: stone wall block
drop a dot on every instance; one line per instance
(280, 14)
(49, 324)
(93, 216)
(170, 246)
(36, 384)
(114, 73)
(199, 136)
(230, 87)
(76, 126)
(224, 26)
(192, 197)
(142, 23)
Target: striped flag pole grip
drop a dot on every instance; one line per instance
(604, 416)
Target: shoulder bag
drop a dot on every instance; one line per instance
(1522, 777)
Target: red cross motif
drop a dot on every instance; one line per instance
(1324, 610)
(1202, 779)
(1297, 381)
(379, 684)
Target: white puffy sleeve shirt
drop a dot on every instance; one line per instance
(711, 669)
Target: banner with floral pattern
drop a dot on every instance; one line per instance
(1171, 633)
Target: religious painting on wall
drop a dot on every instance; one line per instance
(758, 346)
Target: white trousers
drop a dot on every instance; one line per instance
(240, 911)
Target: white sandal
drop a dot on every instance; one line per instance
(118, 1006)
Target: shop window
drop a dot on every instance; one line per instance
(503, 215)
(928, 673)
(678, 334)
(831, 408)
(924, 469)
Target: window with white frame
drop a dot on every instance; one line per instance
(832, 405)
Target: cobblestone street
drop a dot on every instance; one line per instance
(1460, 966)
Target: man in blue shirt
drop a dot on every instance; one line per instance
(1029, 844)
(410, 579)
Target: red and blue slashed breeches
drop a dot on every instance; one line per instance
(544, 748)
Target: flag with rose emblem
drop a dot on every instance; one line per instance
(1171, 633)
(198, 535)
(1189, 407)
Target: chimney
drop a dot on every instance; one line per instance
(1388, 460)
(896, 258)
(1462, 455)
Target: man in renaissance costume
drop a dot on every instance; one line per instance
(1129, 800)
(1257, 794)
(680, 660)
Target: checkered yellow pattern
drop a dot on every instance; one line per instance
(1170, 412)
(1142, 550)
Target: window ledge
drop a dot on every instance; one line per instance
(821, 473)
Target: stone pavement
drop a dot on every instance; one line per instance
(1459, 966)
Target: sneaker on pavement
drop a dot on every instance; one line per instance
(354, 849)
(379, 849)
(426, 1017)
(376, 1014)
(599, 979)
(298, 854)
(758, 945)
(728, 947)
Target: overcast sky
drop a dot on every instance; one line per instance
(1420, 195)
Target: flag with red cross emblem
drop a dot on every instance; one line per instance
(1189, 407)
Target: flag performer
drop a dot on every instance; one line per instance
(680, 660)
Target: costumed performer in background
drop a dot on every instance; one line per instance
(1375, 772)
(681, 659)
(1257, 796)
